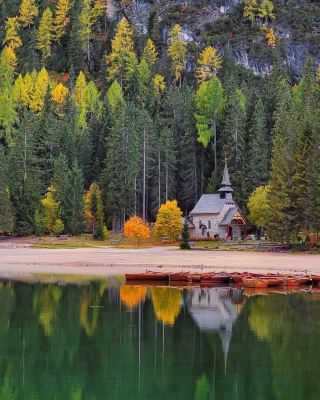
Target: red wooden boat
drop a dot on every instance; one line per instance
(275, 281)
(194, 277)
(215, 278)
(255, 282)
(179, 277)
(291, 281)
(237, 278)
(315, 279)
(305, 280)
(148, 276)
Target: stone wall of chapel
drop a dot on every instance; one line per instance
(215, 228)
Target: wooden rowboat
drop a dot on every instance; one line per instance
(255, 283)
(148, 276)
(291, 281)
(179, 277)
(215, 278)
(194, 277)
(275, 281)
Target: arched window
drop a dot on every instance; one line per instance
(200, 224)
(209, 224)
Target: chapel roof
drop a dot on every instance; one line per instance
(210, 204)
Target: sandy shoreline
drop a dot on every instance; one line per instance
(112, 261)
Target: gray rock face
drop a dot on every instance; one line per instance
(197, 15)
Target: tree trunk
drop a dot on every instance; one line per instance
(144, 177)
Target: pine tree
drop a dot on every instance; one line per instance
(45, 34)
(25, 180)
(235, 142)
(306, 98)
(258, 153)
(93, 211)
(12, 38)
(7, 217)
(177, 52)
(184, 245)
(61, 20)
(27, 12)
(72, 204)
(280, 226)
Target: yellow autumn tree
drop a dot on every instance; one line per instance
(51, 213)
(318, 73)
(166, 304)
(27, 12)
(159, 84)
(136, 228)
(122, 58)
(208, 64)
(12, 38)
(59, 96)
(61, 20)
(41, 83)
(45, 33)
(177, 52)
(169, 221)
(90, 12)
(8, 60)
(266, 10)
(250, 9)
(28, 90)
(132, 296)
(270, 35)
(150, 54)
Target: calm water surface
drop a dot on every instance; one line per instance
(98, 341)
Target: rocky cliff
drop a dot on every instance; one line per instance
(221, 23)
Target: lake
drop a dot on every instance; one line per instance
(101, 341)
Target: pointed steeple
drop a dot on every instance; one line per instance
(225, 184)
(225, 179)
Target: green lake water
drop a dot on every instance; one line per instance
(99, 341)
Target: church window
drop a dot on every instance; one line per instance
(209, 225)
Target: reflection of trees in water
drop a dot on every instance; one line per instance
(132, 296)
(104, 353)
(45, 302)
(89, 312)
(291, 327)
(166, 303)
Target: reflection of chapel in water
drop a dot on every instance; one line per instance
(216, 310)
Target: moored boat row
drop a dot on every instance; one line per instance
(250, 280)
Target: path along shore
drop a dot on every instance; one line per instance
(112, 261)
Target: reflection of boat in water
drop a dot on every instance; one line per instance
(216, 310)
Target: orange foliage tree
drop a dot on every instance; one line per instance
(131, 296)
(136, 228)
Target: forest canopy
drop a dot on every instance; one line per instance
(85, 98)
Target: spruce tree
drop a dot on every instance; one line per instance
(184, 245)
(281, 221)
(258, 155)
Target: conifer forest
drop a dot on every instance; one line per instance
(128, 104)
